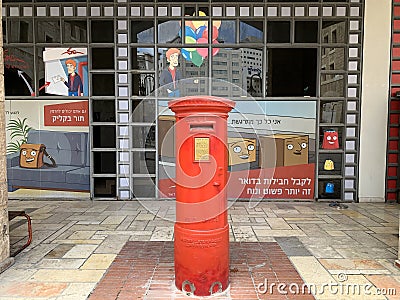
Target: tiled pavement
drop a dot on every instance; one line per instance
(74, 243)
(250, 262)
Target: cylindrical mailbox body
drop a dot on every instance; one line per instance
(201, 229)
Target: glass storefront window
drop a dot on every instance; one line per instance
(143, 84)
(296, 72)
(218, 48)
(144, 162)
(102, 31)
(19, 71)
(333, 59)
(242, 68)
(142, 32)
(334, 32)
(143, 137)
(103, 111)
(278, 32)
(189, 10)
(104, 187)
(143, 110)
(74, 31)
(332, 85)
(331, 112)
(227, 32)
(48, 32)
(143, 187)
(306, 32)
(104, 162)
(169, 32)
(103, 84)
(104, 137)
(252, 67)
(20, 31)
(102, 58)
(251, 31)
(142, 58)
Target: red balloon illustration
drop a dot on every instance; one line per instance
(196, 32)
(202, 51)
(215, 50)
(214, 33)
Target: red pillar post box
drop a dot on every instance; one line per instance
(201, 230)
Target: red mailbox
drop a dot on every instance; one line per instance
(201, 229)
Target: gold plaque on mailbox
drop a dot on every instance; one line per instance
(201, 149)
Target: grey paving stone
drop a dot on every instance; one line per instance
(292, 246)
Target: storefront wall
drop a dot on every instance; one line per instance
(374, 108)
(294, 69)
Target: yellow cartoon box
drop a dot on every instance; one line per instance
(241, 150)
(283, 150)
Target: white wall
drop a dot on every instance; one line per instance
(374, 100)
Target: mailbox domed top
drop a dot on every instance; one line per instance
(208, 104)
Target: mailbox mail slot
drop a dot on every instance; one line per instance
(202, 126)
(201, 229)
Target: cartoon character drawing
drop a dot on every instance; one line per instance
(66, 72)
(329, 188)
(283, 150)
(172, 75)
(329, 165)
(74, 83)
(29, 157)
(331, 140)
(241, 150)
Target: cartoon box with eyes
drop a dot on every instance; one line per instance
(241, 150)
(280, 150)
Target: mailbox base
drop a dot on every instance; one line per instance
(201, 260)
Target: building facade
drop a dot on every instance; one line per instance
(90, 80)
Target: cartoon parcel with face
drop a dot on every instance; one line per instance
(331, 140)
(280, 150)
(30, 156)
(241, 150)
